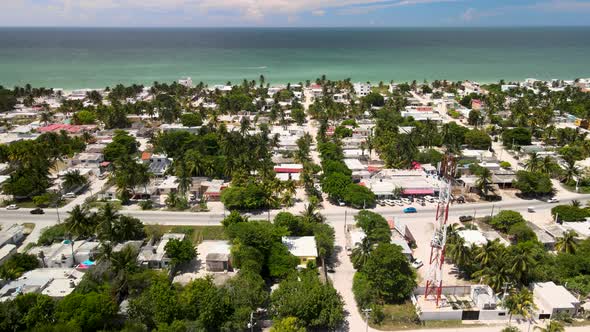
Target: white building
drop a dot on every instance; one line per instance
(552, 299)
(57, 283)
(362, 89)
(187, 82)
(302, 247)
(155, 257)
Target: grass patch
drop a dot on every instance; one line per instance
(196, 233)
(404, 317)
(98, 204)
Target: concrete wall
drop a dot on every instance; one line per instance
(441, 315)
(493, 315)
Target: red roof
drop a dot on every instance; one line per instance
(316, 86)
(105, 163)
(418, 191)
(57, 127)
(145, 155)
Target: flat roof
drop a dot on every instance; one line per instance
(557, 296)
(301, 246)
(472, 237)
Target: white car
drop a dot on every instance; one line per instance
(552, 200)
(397, 202)
(416, 263)
(406, 200)
(429, 198)
(12, 207)
(390, 202)
(70, 195)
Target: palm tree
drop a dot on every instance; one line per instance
(107, 218)
(520, 303)
(570, 172)
(46, 117)
(183, 179)
(576, 203)
(79, 222)
(74, 179)
(532, 164)
(484, 181)
(547, 165)
(361, 253)
(488, 252)
(521, 263)
(493, 277)
(310, 213)
(567, 243)
(459, 251)
(552, 326)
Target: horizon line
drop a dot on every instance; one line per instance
(294, 27)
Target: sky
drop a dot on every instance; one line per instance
(293, 13)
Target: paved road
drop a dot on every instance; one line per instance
(208, 218)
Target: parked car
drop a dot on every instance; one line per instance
(410, 210)
(406, 200)
(465, 218)
(416, 263)
(12, 207)
(381, 202)
(103, 176)
(37, 211)
(552, 200)
(397, 202)
(429, 198)
(390, 202)
(531, 209)
(70, 195)
(341, 203)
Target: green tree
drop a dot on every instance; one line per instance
(358, 196)
(180, 251)
(91, 312)
(80, 222)
(506, 219)
(567, 243)
(533, 183)
(389, 273)
(315, 305)
(287, 324)
(520, 303)
(73, 180)
(280, 261)
(478, 139)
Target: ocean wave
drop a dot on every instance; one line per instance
(255, 68)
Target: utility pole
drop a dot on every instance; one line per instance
(492, 214)
(345, 215)
(367, 313)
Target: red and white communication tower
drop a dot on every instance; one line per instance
(434, 281)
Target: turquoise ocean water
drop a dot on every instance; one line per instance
(94, 58)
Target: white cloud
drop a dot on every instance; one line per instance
(318, 12)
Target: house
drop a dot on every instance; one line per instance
(581, 228)
(302, 247)
(477, 104)
(406, 250)
(186, 82)
(12, 235)
(412, 183)
(217, 255)
(472, 237)
(54, 282)
(90, 160)
(362, 89)
(57, 255)
(552, 299)
(155, 256)
(158, 164)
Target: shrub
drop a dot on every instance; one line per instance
(506, 219)
(569, 213)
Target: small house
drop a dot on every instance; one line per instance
(302, 247)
